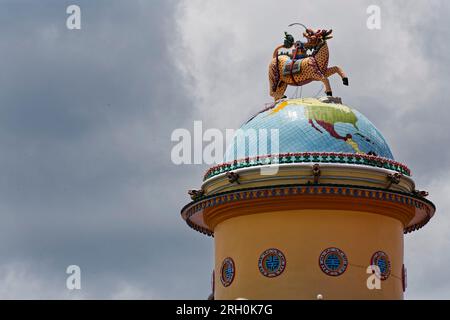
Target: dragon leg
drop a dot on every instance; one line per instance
(327, 85)
(332, 70)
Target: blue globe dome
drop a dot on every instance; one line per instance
(307, 126)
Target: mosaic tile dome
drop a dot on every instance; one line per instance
(309, 125)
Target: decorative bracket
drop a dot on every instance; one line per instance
(420, 193)
(393, 178)
(195, 194)
(316, 172)
(233, 177)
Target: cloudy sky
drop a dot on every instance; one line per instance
(86, 118)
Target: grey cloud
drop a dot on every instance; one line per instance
(86, 178)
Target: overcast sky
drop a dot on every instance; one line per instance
(86, 118)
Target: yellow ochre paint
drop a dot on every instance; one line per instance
(302, 235)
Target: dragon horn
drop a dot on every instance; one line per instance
(297, 23)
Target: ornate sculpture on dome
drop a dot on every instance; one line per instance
(298, 67)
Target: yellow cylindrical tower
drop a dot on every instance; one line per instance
(317, 209)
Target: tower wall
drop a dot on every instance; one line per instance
(302, 235)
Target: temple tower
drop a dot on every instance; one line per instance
(311, 214)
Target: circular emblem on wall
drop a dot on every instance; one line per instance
(381, 259)
(227, 272)
(213, 282)
(271, 263)
(404, 278)
(333, 261)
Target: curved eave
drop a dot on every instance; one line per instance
(423, 209)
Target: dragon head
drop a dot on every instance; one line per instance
(314, 38)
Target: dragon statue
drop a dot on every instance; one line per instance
(300, 67)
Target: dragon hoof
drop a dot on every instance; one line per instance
(345, 81)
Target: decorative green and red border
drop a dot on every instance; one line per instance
(305, 157)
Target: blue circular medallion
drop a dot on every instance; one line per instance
(381, 260)
(333, 261)
(404, 278)
(227, 272)
(213, 282)
(271, 263)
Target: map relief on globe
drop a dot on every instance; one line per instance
(311, 125)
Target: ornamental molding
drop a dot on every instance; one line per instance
(307, 157)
